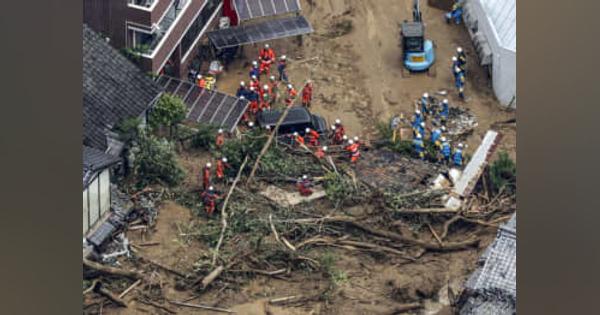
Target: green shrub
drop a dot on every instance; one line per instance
(204, 137)
(503, 173)
(128, 129)
(168, 112)
(154, 161)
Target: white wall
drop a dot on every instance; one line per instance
(504, 59)
(96, 199)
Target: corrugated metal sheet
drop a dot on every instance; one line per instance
(503, 15)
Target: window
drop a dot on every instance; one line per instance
(142, 3)
(203, 18)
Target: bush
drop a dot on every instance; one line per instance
(168, 112)
(128, 129)
(154, 161)
(204, 138)
(503, 173)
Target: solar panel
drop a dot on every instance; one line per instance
(260, 32)
(210, 107)
(251, 9)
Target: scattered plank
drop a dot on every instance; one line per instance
(204, 307)
(111, 296)
(135, 284)
(154, 304)
(112, 271)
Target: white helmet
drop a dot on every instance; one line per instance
(456, 69)
(283, 57)
(444, 139)
(272, 78)
(255, 63)
(242, 97)
(307, 130)
(332, 127)
(265, 87)
(295, 133)
(304, 176)
(459, 49)
(345, 137)
(338, 121)
(422, 124)
(254, 77)
(199, 76)
(454, 58)
(350, 141)
(208, 165)
(268, 127)
(445, 101)
(418, 112)
(251, 124)
(425, 95)
(290, 86)
(355, 139)
(211, 188)
(242, 83)
(251, 88)
(460, 145)
(419, 136)
(443, 128)
(220, 130)
(267, 46)
(325, 148)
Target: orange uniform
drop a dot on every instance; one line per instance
(299, 139)
(209, 198)
(206, 178)
(292, 93)
(320, 153)
(313, 137)
(220, 170)
(354, 152)
(201, 83)
(220, 140)
(307, 94)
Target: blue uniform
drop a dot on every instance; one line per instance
(458, 157)
(445, 112)
(446, 151)
(419, 147)
(254, 72)
(281, 69)
(435, 135)
(420, 130)
(424, 102)
(242, 91)
(417, 120)
(252, 96)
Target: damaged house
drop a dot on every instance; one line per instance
(113, 90)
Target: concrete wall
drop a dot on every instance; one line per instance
(96, 200)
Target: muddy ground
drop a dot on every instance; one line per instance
(355, 62)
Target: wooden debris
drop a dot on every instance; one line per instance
(135, 284)
(162, 307)
(212, 276)
(204, 307)
(112, 271)
(403, 308)
(117, 300)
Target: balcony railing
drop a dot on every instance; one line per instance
(151, 41)
(142, 3)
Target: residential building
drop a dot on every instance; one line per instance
(492, 25)
(114, 90)
(166, 33)
(96, 185)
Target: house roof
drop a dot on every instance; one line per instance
(493, 285)
(113, 89)
(95, 160)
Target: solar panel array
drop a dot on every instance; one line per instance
(204, 106)
(251, 9)
(260, 32)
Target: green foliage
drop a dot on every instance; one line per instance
(155, 161)
(204, 137)
(128, 129)
(337, 187)
(503, 173)
(169, 111)
(135, 54)
(327, 262)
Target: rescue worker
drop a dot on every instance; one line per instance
(352, 148)
(274, 88)
(417, 119)
(356, 140)
(206, 176)
(291, 95)
(445, 150)
(266, 56)
(253, 99)
(307, 94)
(457, 158)
(281, 69)
(459, 81)
(254, 71)
(320, 152)
(265, 103)
(419, 146)
(209, 198)
(245, 114)
(200, 81)
(456, 13)
(242, 90)
(250, 125)
(425, 104)
(461, 58)
(339, 127)
(436, 134)
(254, 82)
(221, 166)
(298, 139)
(455, 63)
(304, 186)
(220, 139)
(313, 136)
(445, 112)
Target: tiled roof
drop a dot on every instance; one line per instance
(113, 89)
(94, 160)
